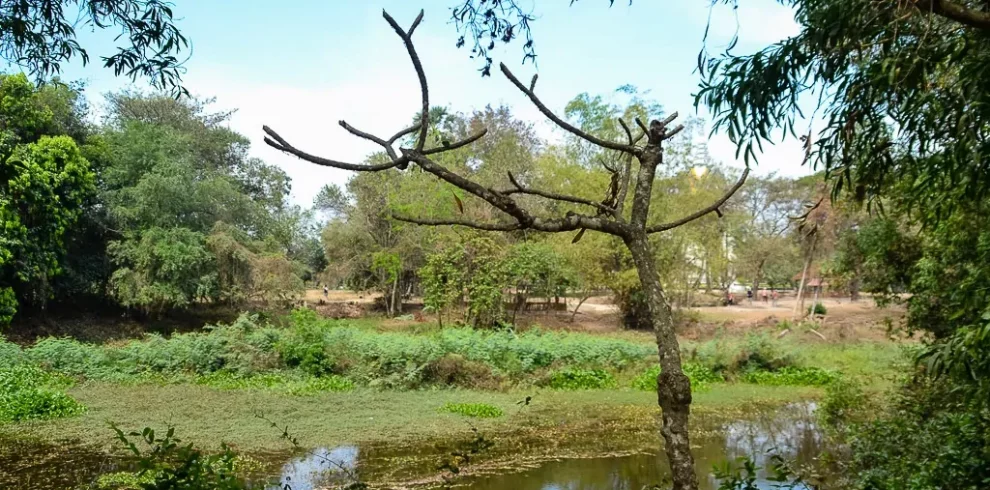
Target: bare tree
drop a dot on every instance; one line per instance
(673, 386)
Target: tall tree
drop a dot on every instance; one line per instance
(45, 182)
(607, 216)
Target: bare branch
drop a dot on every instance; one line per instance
(620, 200)
(460, 222)
(676, 130)
(532, 83)
(419, 18)
(275, 141)
(453, 146)
(642, 125)
(713, 208)
(520, 189)
(424, 118)
(361, 134)
(402, 133)
(669, 119)
(626, 129)
(564, 124)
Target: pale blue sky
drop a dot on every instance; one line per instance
(303, 65)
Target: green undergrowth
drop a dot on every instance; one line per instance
(581, 379)
(477, 410)
(312, 355)
(27, 392)
(249, 353)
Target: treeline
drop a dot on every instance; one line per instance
(156, 207)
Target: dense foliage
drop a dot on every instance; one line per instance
(158, 208)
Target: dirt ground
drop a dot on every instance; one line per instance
(845, 320)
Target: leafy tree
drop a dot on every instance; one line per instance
(44, 183)
(509, 215)
(40, 35)
(172, 169)
(161, 269)
(443, 280)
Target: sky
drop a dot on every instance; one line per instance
(304, 65)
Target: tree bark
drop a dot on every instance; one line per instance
(673, 386)
(799, 301)
(584, 298)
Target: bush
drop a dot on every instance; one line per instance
(844, 401)
(817, 309)
(27, 392)
(930, 439)
(581, 379)
(455, 370)
(235, 355)
(758, 352)
(10, 354)
(791, 376)
(701, 377)
(478, 410)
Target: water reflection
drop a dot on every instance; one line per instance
(789, 431)
(320, 468)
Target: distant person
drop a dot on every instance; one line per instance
(763, 295)
(749, 295)
(731, 299)
(326, 291)
(775, 296)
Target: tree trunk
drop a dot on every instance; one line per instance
(799, 301)
(583, 299)
(673, 386)
(396, 298)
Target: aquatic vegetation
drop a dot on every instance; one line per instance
(581, 379)
(791, 376)
(27, 392)
(478, 410)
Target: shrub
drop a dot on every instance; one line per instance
(930, 439)
(791, 376)
(10, 354)
(69, 356)
(455, 370)
(27, 392)
(581, 379)
(844, 400)
(756, 352)
(701, 377)
(817, 309)
(477, 410)
(167, 463)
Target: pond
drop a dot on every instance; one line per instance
(789, 431)
(601, 461)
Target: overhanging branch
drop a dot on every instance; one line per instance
(956, 11)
